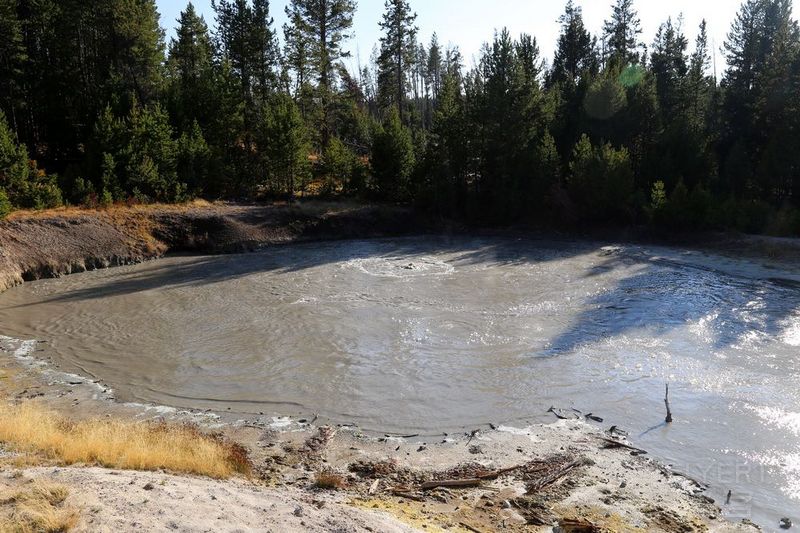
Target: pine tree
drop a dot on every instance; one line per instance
(12, 58)
(151, 166)
(393, 158)
(136, 42)
(265, 51)
(775, 104)
(398, 46)
(601, 181)
(669, 65)
(761, 49)
(5, 204)
(700, 84)
(14, 167)
(621, 35)
(234, 41)
(22, 184)
(575, 55)
(193, 159)
(435, 67)
(447, 151)
(297, 51)
(324, 25)
(191, 72)
(285, 143)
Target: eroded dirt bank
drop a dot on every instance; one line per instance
(59, 242)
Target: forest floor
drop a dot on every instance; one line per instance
(571, 474)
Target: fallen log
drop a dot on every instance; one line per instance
(474, 482)
(497, 473)
(612, 443)
(469, 527)
(409, 496)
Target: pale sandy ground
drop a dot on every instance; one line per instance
(617, 491)
(114, 501)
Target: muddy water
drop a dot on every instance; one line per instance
(430, 334)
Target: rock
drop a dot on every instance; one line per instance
(298, 511)
(786, 523)
(148, 486)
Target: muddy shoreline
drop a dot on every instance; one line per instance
(608, 488)
(613, 489)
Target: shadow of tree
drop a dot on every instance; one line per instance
(663, 294)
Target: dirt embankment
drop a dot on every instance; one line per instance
(59, 242)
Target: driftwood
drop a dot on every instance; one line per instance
(562, 414)
(406, 492)
(554, 476)
(613, 443)
(497, 473)
(428, 485)
(569, 525)
(668, 420)
(469, 527)
(408, 496)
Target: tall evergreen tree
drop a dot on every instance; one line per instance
(398, 46)
(297, 51)
(266, 54)
(669, 65)
(700, 84)
(621, 34)
(12, 58)
(393, 158)
(246, 38)
(285, 144)
(136, 43)
(324, 25)
(190, 67)
(435, 66)
(575, 54)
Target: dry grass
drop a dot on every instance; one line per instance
(74, 211)
(330, 480)
(30, 428)
(37, 508)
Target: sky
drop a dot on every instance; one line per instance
(470, 23)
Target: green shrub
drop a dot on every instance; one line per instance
(5, 204)
(393, 158)
(106, 199)
(601, 182)
(337, 164)
(83, 192)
